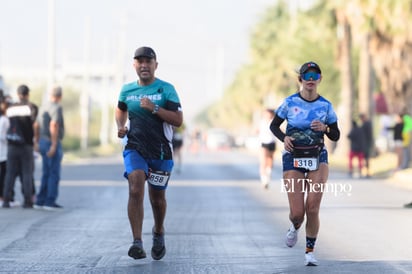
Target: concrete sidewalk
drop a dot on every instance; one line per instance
(402, 178)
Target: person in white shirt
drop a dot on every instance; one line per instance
(4, 126)
(268, 147)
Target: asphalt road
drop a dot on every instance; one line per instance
(219, 220)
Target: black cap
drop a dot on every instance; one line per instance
(23, 90)
(144, 52)
(309, 65)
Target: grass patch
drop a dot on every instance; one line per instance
(380, 166)
(93, 152)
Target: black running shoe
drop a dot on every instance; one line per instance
(408, 205)
(54, 207)
(159, 248)
(136, 251)
(27, 205)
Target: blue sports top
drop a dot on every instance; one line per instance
(300, 113)
(149, 134)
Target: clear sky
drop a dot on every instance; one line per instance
(200, 44)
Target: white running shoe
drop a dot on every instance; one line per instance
(15, 204)
(36, 206)
(310, 259)
(291, 236)
(264, 180)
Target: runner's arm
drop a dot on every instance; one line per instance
(275, 128)
(121, 119)
(174, 118)
(333, 133)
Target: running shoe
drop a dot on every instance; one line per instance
(37, 206)
(136, 251)
(291, 237)
(54, 207)
(408, 205)
(15, 203)
(310, 259)
(27, 205)
(158, 248)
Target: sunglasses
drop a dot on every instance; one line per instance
(310, 75)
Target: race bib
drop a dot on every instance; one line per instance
(306, 163)
(158, 178)
(306, 157)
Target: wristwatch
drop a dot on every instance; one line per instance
(155, 109)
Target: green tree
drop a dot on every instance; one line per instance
(280, 43)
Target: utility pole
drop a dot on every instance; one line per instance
(84, 97)
(104, 128)
(51, 48)
(220, 70)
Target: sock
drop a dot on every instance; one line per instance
(310, 244)
(293, 228)
(269, 171)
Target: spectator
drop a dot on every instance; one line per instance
(20, 137)
(406, 135)
(51, 133)
(357, 145)
(24, 99)
(398, 140)
(369, 142)
(4, 126)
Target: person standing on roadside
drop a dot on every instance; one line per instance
(25, 99)
(398, 140)
(369, 147)
(357, 146)
(309, 118)
(4, 126)
(268, 147)
(153, 108)
(51, 133)
(21, 139)
(407, 139)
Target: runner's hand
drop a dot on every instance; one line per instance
(288, 143)
(147, 104)
(317, 125)
(121, 132)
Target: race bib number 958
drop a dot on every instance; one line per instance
(158, 178)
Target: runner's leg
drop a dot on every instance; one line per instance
(159, 204)
(316, 182)
(294, 182)
(135, 205)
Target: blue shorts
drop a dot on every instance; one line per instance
(287, 159)
(133, 161)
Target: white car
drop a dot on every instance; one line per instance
(217, 138)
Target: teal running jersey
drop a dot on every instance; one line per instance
(149, 134)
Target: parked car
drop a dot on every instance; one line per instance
(218, 138)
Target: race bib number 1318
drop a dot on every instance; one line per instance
(306, 163)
